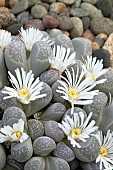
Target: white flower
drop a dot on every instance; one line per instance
(76, 90)
(5, 38)
(31, 36)
(15, 134)
(94, 69)
(24, 89)
(106, 155)
(61, 58)
(78, 128)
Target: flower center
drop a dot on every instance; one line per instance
(76, 131)
(18, 134)
(92, 77)
(72, 93)
(103, 151)
(24, 93)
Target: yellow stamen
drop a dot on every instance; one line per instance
(18, 134)
(72, 93)
(103, 151)
(76, 131)
(24, 93)
(92, 77)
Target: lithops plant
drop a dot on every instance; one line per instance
(54, 104)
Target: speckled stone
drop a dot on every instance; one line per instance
(12, 3)
(11, 161)
(23, 17)
(76, 4)
(6, 19)
(38, 11)
(65, 23)
(57, 7)
(86, 22)
(20, 6)
(50, 22)
(68, 2)
(102, 36)
(89, 35)
(78, 12)
(36, 23)
(91, 1)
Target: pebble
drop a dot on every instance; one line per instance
(32, 2)
(86, 22)
(78, 12)
(100, 41)
(55, 32)
(89, 35)
(14, 28)
(76, 4)
(106, 7)
(109, 47)
(23, 17)
(78, 27)
(102, 54)
(91, 1)
(57, 7)
(91, 10)
(103, 25)
(65, 23)
(65, 12)
(50, 22)
(95, 46)
(12, 3)
(68, 2)
(36, 23)
(102, 36)
(20, 6)
(66, 33)
(38, 11)
(44, 5)
(49, 1)
(4, 9)
(2, 3)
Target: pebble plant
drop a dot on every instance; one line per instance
(56, 104)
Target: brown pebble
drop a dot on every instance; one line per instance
(89, 35)
(102, 36)
(57, 7)
(65, 32)
(4, 9)
(12, 3)
(36, 23)
(50, 22)
(6, 18)
(95, 46)
(2, 3)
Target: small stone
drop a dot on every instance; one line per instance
(50, 22)
(36, 23)
(86, 22)
(95, 46)
(12, 3)
(109, 47)
(93, 2)
(65, 12)
(6, 19)
(57, 7)
(49, 1)
(100, 41)
(102, 36)
(38, 11)
(78, 27)
(23, 17)
(2, 3)
(103, 25)
(78, 12)
(65, 23)
(92, 10)
(105, 7)
(66, 33)
(14, 28)
(102, 54)
(43, 146)
(44, 5)
(4, 9)
(32, 2)
(55, 32)
(76, 4)
(68, 2)
(89, 35)
(20, 6)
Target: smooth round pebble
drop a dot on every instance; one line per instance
(38, 11)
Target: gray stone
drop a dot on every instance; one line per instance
(83, 47)
(92, 10)
(52, 130)
(43, 146)
(40, 103)
(103, 25)
(73, 164)
(36, 128)
(65, 23)
(57, 7)
(38, 11)
(15, 56)
(49, 77)
(106, 7)
(36, 23)
(49, 1)
(39, 57)
(86, 22)
(68, 2)
(78, 27)
(76, 4)
(22, 152)
(35, 163)
(33, 2)
(91, 1)
(89, 150)
(14, 28)
(64, 152)
(55, 32)
(53, 112)
(11, 161)
(20, 6)
(90, 166)
(78, 12)
(23, 17)
(2, 157)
